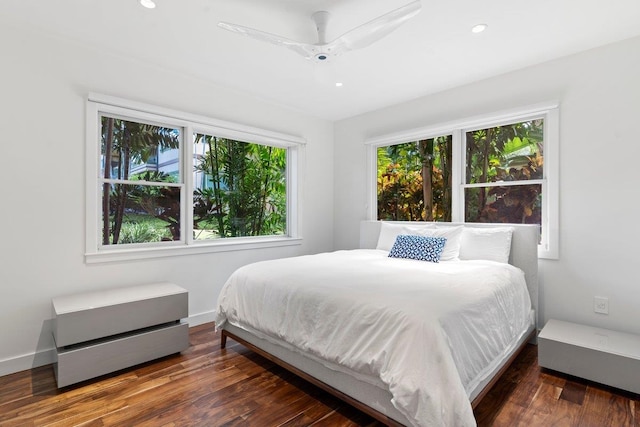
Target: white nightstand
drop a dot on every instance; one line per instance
(600, 355)
(101, 332)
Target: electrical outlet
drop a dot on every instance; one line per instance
(601, 305)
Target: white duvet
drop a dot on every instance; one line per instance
(428, 331)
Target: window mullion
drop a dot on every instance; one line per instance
(139, 182)
(458, 178)
(186, 208)
(502, 183)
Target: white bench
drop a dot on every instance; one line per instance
(600, 355)
(96, 333)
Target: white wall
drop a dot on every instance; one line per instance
(599, 95)
(44, 82)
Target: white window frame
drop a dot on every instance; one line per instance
(549, 245)
(189, 124)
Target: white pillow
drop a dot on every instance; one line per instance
(389, 231)
(453, 235)
(493, 244)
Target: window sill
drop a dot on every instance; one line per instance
(236, 244)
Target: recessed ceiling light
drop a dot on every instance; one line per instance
(479, 28)
(149, 4)
(338, 84)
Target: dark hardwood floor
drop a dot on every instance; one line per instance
(207, 386)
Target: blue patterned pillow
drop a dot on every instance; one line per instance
(422, 248)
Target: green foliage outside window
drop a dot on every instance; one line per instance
(504, 154)
(241, 192)
(414, 181)
(243, 189)
(503, 171)
(126, 212)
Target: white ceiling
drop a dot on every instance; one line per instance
(433, 51)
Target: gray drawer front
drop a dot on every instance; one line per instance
(85, 325)
(599, 366)
(82, 363)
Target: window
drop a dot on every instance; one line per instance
(240, 188)
(504, 173)
(140, 199)
(163, 183)
(414, 180)
(500, 169)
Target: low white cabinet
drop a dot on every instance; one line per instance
(96, 333)
(600, 355)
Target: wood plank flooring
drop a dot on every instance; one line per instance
(207, 386)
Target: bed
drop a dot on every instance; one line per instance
(409, 342)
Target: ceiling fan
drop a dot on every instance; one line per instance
(357, 38)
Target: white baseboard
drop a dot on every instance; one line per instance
(201, 318)
(48, 356)
(27, 361)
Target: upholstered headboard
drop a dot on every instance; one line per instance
(524, 247)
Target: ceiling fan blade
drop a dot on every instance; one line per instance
(304, 49)
(374, 30)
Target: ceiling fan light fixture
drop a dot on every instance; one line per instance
(478, 28)
(357, 38)
(149, 4)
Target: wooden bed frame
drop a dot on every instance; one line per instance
(377, 415)
(313, 380)
(523, 255)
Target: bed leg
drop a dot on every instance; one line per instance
(223, 339)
